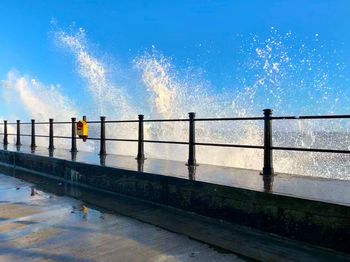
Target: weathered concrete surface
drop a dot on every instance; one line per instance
(35, 225)
(311, 221)
(39, 226)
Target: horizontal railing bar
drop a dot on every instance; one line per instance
(27, 135)
(311, 150)
(121, 139)
(204, 144)
(14, 123)
(113, 139)
(37, 123)
(112, 121)
(42, 123)
(93, 138)
(67, 137)
(166, 142)
(62, 122)
(24, 123)
(229, 119)
(27, 123)
(166, 120)
(310, 117)
(121, 121)
(230, 145)
(16, 134)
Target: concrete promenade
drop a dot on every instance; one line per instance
(40, 222)
(40, 226)
(222, 216)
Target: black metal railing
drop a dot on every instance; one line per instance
(268, 147)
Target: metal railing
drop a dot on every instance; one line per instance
(268, 148)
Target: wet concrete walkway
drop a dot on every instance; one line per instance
(46, 224)
(39, 226)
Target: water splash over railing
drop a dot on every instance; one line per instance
(279, 71)
(267, 147)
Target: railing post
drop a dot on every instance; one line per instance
(73, 155)
(18, 140)
(32, 144)
(74, 136)
(140, 164)
(5, 133)
(140, 149)
(192, 173)
(103, 137)
(103, 160)
(192, 141)
(268, 157)
(51, 145)
(268, 183)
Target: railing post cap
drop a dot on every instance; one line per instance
(102, 117)
(267, 111)
(141, 117)
(33, 120)
(74, 118)
(192, 114)
(5, 121)
(18, 121)
(51, 119)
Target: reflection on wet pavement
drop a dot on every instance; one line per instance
(38, 226)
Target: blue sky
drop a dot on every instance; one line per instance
(205, 35)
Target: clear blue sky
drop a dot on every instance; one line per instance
(205, 34)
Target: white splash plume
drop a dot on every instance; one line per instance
(278, 72)
(106, 94)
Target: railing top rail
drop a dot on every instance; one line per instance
(229, 119)
(29, 123)
(167, 120)
(316, 150)
(121, 121)
(111, 121)
(135, 121)
(310, 117)
(62, 122)
(15, 123)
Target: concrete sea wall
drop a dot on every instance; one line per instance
(315, 222)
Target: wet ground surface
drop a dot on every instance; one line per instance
(320, 189)
(39, 226)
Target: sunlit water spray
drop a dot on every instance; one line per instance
(279, 72)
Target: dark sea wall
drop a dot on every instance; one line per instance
(319, 223)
